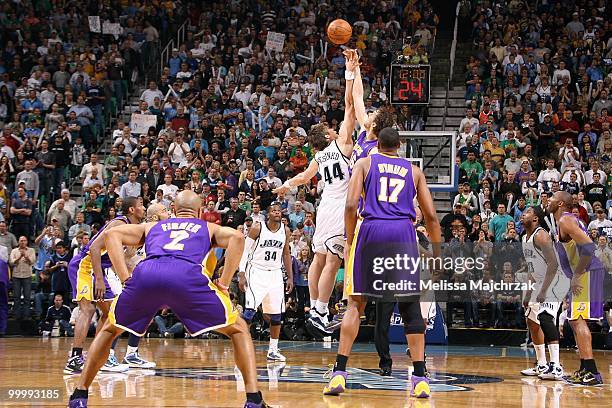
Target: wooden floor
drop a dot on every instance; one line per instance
(200, 373)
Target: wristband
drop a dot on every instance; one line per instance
(287, 184)
(222, 286)
(349, 75)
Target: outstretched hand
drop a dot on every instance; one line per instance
(352, 59)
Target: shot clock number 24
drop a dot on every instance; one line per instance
(410, 84)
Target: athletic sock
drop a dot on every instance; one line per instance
(582, 364)
(321, 307)
(131, 350)
(273, 344)
(340, 363)
(540, 350)
(76, 351)
(79, 394)
(590, 366)
(114, 343)
(553, 350)
(111, 352)
(133, 340)
(419, 368)
(254, 397)
(313, 303)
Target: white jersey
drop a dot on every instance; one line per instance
(334, 168)
(536, 263)
(267, 250)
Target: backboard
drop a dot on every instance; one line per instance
(437, 152)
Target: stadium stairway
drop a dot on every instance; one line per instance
(447, 100)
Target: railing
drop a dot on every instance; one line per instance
(453, 51)
(165, 53)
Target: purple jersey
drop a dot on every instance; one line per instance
(106, 263)
(389, 189)
(361, 149)
(184, 239)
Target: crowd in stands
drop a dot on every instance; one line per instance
(537, 121)
(231, 117)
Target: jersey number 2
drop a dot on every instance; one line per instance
(337, 173)
(396, 184)
(176, 236)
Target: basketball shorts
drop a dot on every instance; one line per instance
(329, 232)
(588, 304)
(384, 260)
(80, 273)
(265, 288)
(557, 291)
(181, 286)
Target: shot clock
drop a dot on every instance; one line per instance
(410, 84)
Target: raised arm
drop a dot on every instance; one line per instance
(345, 139)
(302, 178)
(360, 112)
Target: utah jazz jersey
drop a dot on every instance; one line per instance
(362, 149)
(389, 189)
(185, 239)
(267, 251)
(333, 167)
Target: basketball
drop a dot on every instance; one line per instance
(339, 32)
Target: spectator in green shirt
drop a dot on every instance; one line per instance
(473, 169)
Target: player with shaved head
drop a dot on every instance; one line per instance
(577, 259)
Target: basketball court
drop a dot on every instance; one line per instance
(200, 373)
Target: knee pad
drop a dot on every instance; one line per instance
(275, 319)
(411, 315)
(547, 324)
(248, 315)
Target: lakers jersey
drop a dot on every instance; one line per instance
(185, 239)
(334, 168)
(106, 263)
(389, 189)
(363, 147)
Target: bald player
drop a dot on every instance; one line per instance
(176, 273)
(587, 272)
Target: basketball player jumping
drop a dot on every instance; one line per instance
(261, 277)
(389, 184)
(175, 273)
(372, 123)
(90, 283)
(578, 262)
(331, 161)
(545, 301)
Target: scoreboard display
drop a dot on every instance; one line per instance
(410, 84)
